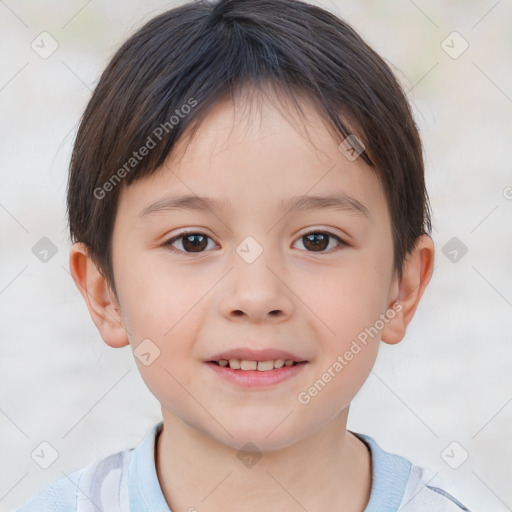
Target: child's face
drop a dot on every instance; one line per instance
(311, 297)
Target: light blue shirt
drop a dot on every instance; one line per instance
(127, 482)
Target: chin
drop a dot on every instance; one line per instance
(267, 434)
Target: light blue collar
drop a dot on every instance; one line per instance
(390, 474)
(145, 492)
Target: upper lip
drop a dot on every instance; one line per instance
(250, 354)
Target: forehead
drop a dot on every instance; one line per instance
(252, 155)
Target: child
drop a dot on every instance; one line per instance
(247, 204)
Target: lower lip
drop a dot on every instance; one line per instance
(255, 378)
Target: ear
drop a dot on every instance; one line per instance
(99, 297)
(406, 291)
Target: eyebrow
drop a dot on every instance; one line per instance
(338, 201)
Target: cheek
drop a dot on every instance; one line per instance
(345, 358)
(347, 300)
(160, 311)
(164, 355)
(153, 299)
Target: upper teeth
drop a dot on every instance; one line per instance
(262, 366)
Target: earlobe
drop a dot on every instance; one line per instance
(407, 291)
(99, 299)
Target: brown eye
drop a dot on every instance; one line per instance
(319, 241)
(315, 241)
(191, 242)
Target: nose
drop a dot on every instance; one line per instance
(256, 292)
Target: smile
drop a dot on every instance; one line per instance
(261, 366)
(255, 374)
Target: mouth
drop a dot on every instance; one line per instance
(251, 374)
(260, 366)
(253, 369)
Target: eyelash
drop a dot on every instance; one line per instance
(168, 243)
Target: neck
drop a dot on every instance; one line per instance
(331, 469)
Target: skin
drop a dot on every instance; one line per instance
(192, 305)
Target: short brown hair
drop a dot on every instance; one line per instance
(196, 54)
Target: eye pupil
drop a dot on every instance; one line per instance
(320, 243)
(196, 247)
(314, 241)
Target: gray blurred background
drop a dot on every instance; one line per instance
(442, 397)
